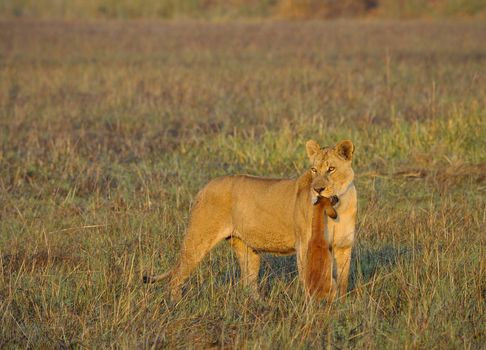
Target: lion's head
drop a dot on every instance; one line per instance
(330, 168)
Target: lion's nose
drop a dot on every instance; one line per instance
(319, 189)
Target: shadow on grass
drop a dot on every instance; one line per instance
(278, 267)
(273, 268)
(365, 263)
(276, 270)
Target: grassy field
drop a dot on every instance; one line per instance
(108, 129)
(218, 10)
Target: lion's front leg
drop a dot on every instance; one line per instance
(301, 256)
(342, 248)
(343, 263)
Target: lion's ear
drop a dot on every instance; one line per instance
(312, 148)
(345, 149)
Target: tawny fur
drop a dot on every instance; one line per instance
(318, 278)
(258, 215)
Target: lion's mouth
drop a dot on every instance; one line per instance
(334, 200)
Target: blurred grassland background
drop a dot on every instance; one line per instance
(109, 128)
(231, 9)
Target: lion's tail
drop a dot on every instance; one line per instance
(152, 279)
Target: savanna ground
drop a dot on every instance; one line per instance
(108, 129)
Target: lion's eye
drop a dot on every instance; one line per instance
(331, 169)
(314, 170)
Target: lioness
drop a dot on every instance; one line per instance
(261, 215)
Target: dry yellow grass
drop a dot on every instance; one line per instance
(108, 129)
(238, 9)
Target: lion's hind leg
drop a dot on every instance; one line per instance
(249, 261)
(208, 226)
